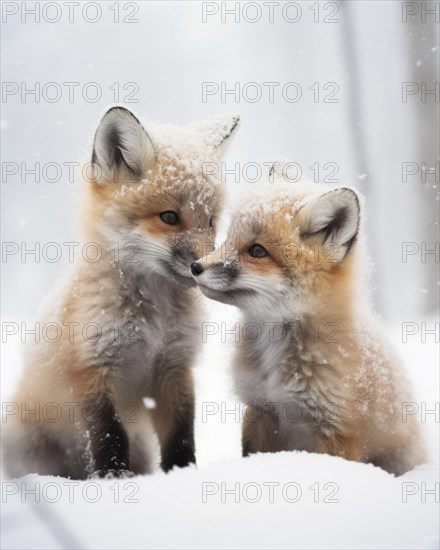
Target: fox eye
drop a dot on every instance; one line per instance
(211, 222)
(169, 217)
(257, 251)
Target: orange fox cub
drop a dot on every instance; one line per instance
(130, 321)
(313, 367)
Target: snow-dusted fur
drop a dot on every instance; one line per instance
(313, 365)
(130, 320)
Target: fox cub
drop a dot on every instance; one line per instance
(130, 321)
(313, 367)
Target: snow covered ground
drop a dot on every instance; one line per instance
(284, 500)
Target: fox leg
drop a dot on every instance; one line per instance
(108, 444)
(348, 447)
(173, 417)
(27, 448)
(108, 438)
(260, 431)
(400, 459)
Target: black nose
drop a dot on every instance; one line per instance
(196, 268)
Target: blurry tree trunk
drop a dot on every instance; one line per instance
(422, 39)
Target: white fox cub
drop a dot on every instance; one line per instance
(313, 367)
(131, 320)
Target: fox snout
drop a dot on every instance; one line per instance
(219, 272)
(219, 278)
(215, 264)
(215, 271)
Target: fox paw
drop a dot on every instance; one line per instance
(110, 474)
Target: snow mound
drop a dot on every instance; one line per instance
(282, 500)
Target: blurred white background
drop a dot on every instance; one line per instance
(368, 49)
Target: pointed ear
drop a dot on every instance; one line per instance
(122, 150)
(217, 130)
(332, 220)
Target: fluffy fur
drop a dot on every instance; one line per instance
(314, 369)
(129, 320)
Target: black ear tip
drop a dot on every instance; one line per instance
(235, 122)
(119, 110)
(356, 198)
(349, 193)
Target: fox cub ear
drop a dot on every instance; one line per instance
(122, 150)
(217, 129)
(331, 220)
